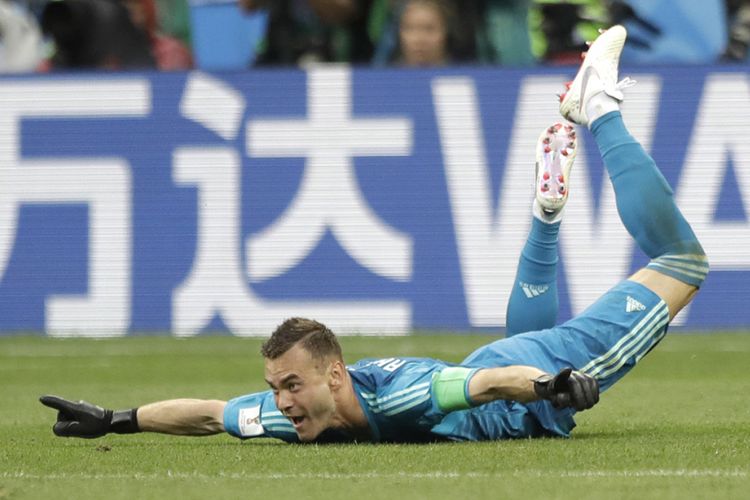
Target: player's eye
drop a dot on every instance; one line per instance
(293, 386)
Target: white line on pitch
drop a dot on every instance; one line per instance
(387, 475)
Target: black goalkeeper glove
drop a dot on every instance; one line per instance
(84, 420)
(568, 389)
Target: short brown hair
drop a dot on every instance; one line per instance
(315, 337)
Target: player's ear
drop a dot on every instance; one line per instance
(336, 372)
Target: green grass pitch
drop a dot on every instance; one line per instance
(677, 427)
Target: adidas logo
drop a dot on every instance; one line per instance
(632, 305)
(532, 291)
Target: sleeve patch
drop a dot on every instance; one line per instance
(249, 422)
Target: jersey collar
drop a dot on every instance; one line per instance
(374, 430)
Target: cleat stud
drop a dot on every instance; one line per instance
(545, 188)
(547, 149)
(562, 189)
(564, 152)
(546, 176)
(583, 55)
(571, 145)
(560, 179)
(545, 140)
(568, 85)
(562, 96)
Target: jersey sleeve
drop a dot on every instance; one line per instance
(255, 415)
(405, 396)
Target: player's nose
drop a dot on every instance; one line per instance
(284, 401)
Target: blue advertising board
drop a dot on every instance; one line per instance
(377, 201)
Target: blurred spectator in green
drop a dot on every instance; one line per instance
(21, 48)
(304, 31)
(560, 29)
(502, 32)
(174, 19)
(169, 53)
(738, 13)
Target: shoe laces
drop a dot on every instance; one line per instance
(616, 91)
(625, 83)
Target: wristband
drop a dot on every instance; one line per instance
(124, 422)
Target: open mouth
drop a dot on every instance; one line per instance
(297, 421)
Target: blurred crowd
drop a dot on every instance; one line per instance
(49, 35)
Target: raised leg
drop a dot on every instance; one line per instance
(645, 201)
(533, 303)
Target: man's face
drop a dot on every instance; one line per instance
(302, 388)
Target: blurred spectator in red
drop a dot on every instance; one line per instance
(303, 31)
(738, 12)
(94, 34)
(425, 33)
(20, 39)
(168, 52)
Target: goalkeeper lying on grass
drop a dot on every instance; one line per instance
(526, 385)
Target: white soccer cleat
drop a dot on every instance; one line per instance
(598, 73)
(555, 153)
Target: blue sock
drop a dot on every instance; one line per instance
(646, 204)
(533, 301)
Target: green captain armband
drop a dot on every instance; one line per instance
(449, 388)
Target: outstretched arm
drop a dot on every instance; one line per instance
(187, 417)
(184, 417)
(566, 389)
(458, 388)
(510, 382)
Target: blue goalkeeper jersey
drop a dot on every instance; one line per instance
(396, 395)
